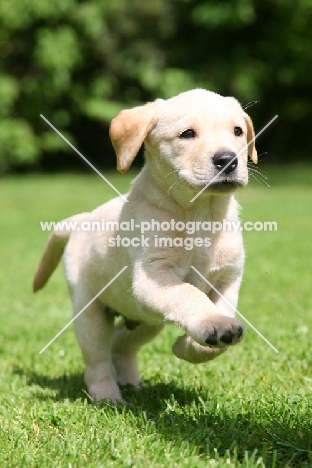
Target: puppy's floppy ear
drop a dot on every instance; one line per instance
(252, 152)
(128, 130)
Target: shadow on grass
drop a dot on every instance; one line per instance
(182, 414)
(178, 414)
(65, 386)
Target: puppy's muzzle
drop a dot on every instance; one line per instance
(225, 161)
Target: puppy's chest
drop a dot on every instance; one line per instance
(208, 259)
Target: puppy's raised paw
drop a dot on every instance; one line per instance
(218, 330)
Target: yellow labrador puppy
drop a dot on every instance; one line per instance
(194, 141)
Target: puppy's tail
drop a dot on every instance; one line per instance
(54, 249)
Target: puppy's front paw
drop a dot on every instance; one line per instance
(218, 330)
(102, 392)
(102, 386)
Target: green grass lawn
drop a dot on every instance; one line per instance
(250, 407)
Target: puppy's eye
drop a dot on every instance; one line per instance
(189, 133)
(238, 131)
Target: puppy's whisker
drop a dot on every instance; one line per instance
(171, 172)
(252, 164)
(184, 183)
(258, 173)
(256, 170)
(255, 180)
(257, 176)
(174, 183)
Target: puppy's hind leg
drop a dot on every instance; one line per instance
(94, 329)
(126, 344)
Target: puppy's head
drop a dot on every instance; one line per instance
(198, 137)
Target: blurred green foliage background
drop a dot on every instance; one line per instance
(78, 62)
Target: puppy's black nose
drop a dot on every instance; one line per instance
(225, 160)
